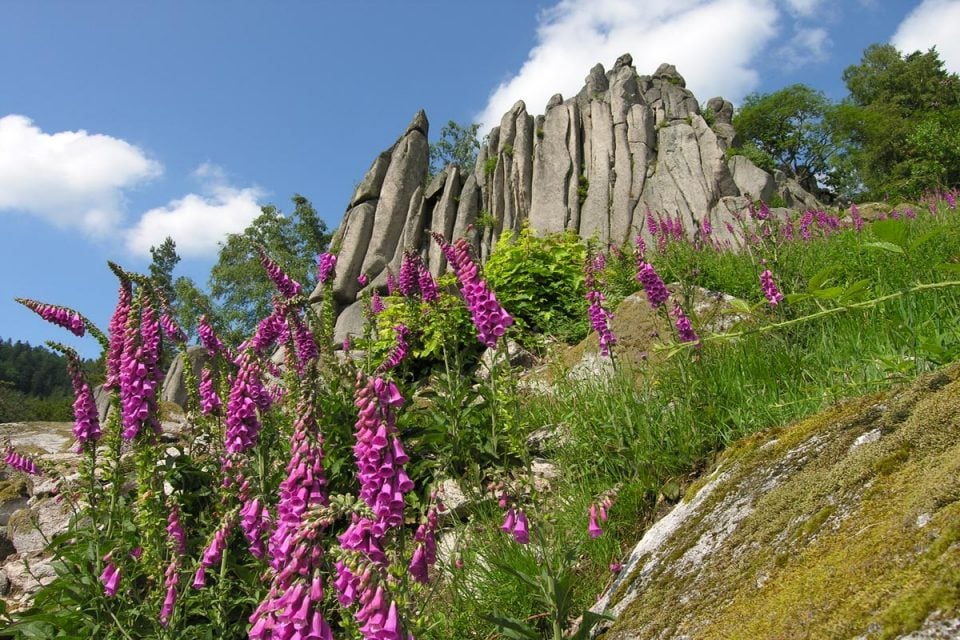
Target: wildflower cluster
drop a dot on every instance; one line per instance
(326, 264)
(21, 462)
(60, 316)
(599, 316)
(286, 285)
(490, 319)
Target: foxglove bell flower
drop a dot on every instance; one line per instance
(171, 329)
(399, 350)
(140, 373)
(210, 403)
(409, 274)
(110, 579)
(684, 326)
(60, 316)
(490, 319)
(171, 579)
(208, 337)
(653, 286)
(86, 417)
(600, 321)
(521, 531)
(376, 303)
(21, 463)
(247, 394)
(326, 264)
(428, 286)
(362, 279)
(391, 282)
(770, 290)
(593, 527)
(118, 328)
(286, 285)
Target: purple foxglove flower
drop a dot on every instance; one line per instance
(286, 285)
(271, 330)
(521, 532)
(409, 274)
(171, 329)
(172, 577)
(600, 321)
(684, 326)
(304, 341)
(376, 304)
(652, 224)
(653, 286)
(175, 531)
(428, 286)
(326, 264)
(705, 226)
(593, 528)
(399, 350)
(140, 375)
(21, 463)
(616, 567)
(210, 403)
(200, 578)
(362, 279)
(118, 328)
(770, 290)
(208, 337)
(110, 579)
(60, 316)
(86, 424)
(246, 395)
(951, 199)
(391, 282)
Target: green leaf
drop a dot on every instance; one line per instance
(794, 298)
(589, 621)
(949, 267)
(886, 246)
(821, 278)
(829, 293)
(923, 239)
(513, 629)
(890, 231)
(740, 306)
(855, 290)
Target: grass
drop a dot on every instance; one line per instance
(655, 428)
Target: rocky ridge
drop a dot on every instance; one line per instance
(593, 164)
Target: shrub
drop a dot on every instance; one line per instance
(539, 280)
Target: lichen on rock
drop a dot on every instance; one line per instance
(842, 525)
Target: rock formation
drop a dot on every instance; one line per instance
(592, 164)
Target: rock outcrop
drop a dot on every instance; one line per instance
(593, 164)
(842, 525)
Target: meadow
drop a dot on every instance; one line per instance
(306, 498)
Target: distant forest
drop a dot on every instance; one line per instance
(34, 383)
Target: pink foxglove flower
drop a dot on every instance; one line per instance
(86, 417)
(376, 303)
(247, 394)
(110, 579)
(489, 317)
(140, 374)
(391, 282)
(684, 326)
(60, 316)
(770, 290)
(409, 274)
(428, 286)
(593, 527)
(171, 579)
(208, 337)
(509, 521)
(21, 463)
(210, 403)
(286, 285)
(362, 279)
(118, 328)
(399, 350)
(326, 264)
(171, 329)
(657, 292)
(521, 531)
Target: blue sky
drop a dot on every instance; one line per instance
(121, 123)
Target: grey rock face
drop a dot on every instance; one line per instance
(349, 323)
(556, 166)
(752, 181)
(357, 227)
(175, 384)
(444, 217)
(406, 171)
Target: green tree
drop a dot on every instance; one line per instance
(165, 258)
(458, 145)
(900, 122)
(192, 303)
(789, 126)
(239, 284)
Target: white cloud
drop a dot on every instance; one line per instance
(806, 46)
(71, 178)
(711, 42)
(933, 23)
(805, 8)
(197, 223)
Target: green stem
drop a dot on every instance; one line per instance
(827, 312)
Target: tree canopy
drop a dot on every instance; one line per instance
(458, 145)
(239, 285)
(788, 126)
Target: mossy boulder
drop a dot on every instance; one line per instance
(843, 525)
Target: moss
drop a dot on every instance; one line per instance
(13, 489)
(833, 548)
